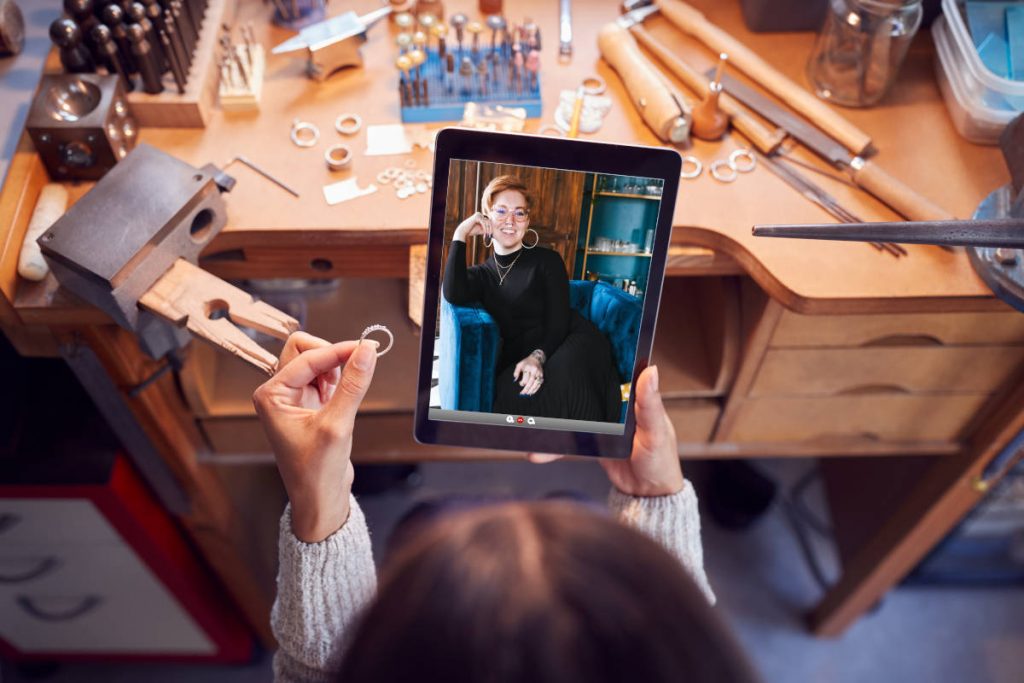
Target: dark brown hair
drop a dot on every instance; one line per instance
(541, 593)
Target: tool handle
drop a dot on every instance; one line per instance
(901, 198)
(51, 205)
(694, 23)
(650, 92)
(765, 139)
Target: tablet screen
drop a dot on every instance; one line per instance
(543, 277)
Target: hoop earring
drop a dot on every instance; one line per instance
(535, 242)
(487, 245)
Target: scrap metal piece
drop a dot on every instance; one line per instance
(345, 190)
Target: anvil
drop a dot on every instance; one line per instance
(333, 43)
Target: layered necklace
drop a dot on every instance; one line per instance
(503, 271)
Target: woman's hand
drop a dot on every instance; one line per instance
(530, 374)
(653, 467)
(307, 410)
(477, 224)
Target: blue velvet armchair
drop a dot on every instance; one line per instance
(469, 343)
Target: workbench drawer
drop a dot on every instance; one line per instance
(877, 417)
(98, 599)
(907, 369)
(891, 329)
(52, 521)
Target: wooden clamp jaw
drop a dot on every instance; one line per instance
(209, 308)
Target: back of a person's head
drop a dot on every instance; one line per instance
(538, 593)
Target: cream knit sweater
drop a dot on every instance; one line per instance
(323, 587)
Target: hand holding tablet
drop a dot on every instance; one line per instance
(545, 264)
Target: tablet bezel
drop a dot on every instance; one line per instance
(561, 154)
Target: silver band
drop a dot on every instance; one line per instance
(338, 157)
(744, 155)
(727, 175)
(348, 124)
(379, 328)
(304, 134)
(697, 167)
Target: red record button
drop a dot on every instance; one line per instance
(519, 419)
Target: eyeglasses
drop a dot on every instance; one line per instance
(518, 215)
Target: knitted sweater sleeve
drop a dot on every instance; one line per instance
(673, 521)
(321, 590)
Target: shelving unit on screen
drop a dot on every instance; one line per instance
(617, 223)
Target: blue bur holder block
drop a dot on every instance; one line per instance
(445, 106)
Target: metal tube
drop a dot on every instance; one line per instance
(975, 233)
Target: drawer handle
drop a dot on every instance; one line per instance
(905, 340)
(8, 520)
(86, 605)
(44, 565)
(864, 389)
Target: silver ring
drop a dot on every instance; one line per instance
(719, 175)
(697, 167)
(594, 85)
(338, 157)
(743, 153)
(551, 129)
(312, 137)
(379, 328)
(348, 124)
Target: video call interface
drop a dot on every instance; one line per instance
(544, 273)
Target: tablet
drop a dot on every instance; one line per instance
(544, 271)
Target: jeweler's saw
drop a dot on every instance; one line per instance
(994, 236)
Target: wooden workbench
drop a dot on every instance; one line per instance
(758, 301)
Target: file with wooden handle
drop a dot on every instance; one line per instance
(662, 107)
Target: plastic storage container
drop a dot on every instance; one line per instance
(980, 102)
(973, 119)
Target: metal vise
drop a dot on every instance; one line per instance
(130, 245)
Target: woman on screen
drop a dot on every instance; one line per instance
(553, 361)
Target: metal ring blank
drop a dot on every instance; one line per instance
(719, 175)
(594, 85)
(743, 153)
(551, 129)
(697, 167)
(348, 124)
(299, 126)
(379, 328)
(336, 162)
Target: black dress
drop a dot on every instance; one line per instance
(532, 310)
